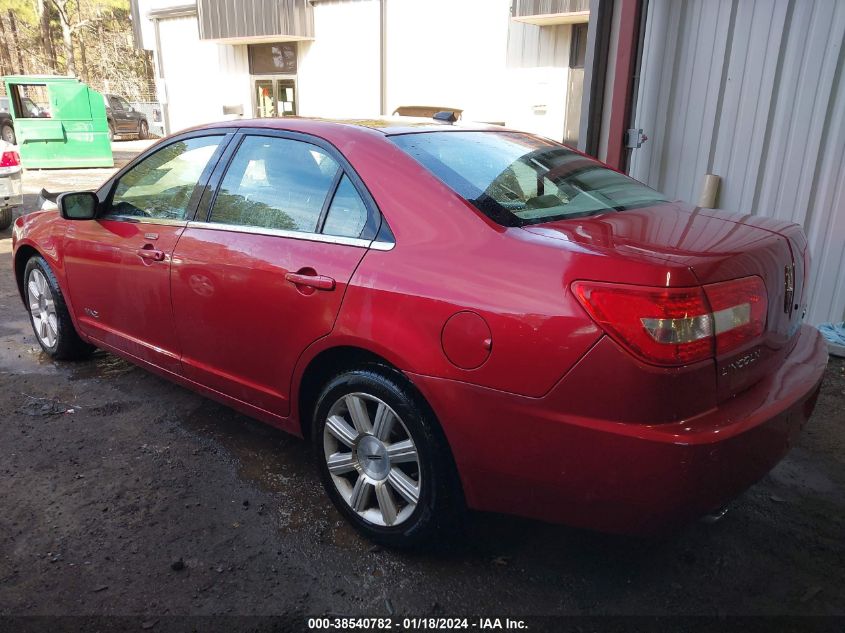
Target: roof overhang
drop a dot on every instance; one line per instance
(552, 19)
(181, 11)
(259, 39)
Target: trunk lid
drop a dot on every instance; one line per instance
(716, 246)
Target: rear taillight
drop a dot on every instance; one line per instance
(677, 326)
(739, 310)
(10, 159)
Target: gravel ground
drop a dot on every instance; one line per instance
(123, 494)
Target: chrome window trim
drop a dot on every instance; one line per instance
(295, 235)
(382, 246)
(143, 220)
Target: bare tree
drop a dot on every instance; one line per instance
(43, 12)
(13, 27)
(103, 51)
(69, 27)
(5, 55)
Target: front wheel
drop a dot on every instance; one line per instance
(383, 460)
(49, 315)
(143, 130)
(111, 132)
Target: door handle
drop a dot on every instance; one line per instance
(320, 282)
(151, 254)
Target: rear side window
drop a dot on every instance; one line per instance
(275, 183)
(519, 179)
(347, 214)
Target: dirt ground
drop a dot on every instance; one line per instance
(111, 475)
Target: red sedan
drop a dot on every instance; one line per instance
(457, 317)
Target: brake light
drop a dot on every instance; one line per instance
(10, 159)
(739, 310)
(677, 326)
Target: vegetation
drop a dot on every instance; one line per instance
(89, 39)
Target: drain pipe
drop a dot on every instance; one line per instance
(383, 57)
(165, 109)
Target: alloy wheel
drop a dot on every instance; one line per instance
(42, 307)
(372, 459)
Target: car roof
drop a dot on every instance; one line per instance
(382, 126)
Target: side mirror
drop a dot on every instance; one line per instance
(78, 205)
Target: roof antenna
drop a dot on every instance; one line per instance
(446, 116)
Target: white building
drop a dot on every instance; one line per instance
(361, 58)
(751, 91)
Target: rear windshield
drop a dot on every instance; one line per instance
(519, 179)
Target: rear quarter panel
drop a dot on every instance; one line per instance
(449, 258)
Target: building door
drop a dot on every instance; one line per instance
(275, 97)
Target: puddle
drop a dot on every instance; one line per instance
(22, 358)
(101, 365)
(274, 460)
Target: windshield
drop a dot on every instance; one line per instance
(519, 179)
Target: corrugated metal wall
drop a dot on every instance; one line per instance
(752, 90)
(547, 7)
(222, 19)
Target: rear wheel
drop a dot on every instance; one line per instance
(143, 130)
(49, 315)
(8, 134)
(5, 218)
(111, 131)
(383, 460)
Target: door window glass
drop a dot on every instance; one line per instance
(275, 183)
(161, 185)
(347, 214)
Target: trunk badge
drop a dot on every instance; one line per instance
(789, 287)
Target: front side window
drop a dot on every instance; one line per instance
(162, 184)
(275, 183)
(519, 179)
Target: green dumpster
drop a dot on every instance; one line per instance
(59, 121)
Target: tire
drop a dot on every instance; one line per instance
(405, 499)
(111, 132)
(49, 315)
(7, 133)
(143, 130)
(6, 216)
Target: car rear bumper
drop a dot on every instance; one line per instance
(527, 456)
(11, 189)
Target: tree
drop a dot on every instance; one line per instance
(69, 27)
(100, 48)
(43, 10)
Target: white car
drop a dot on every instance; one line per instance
(11, 191)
